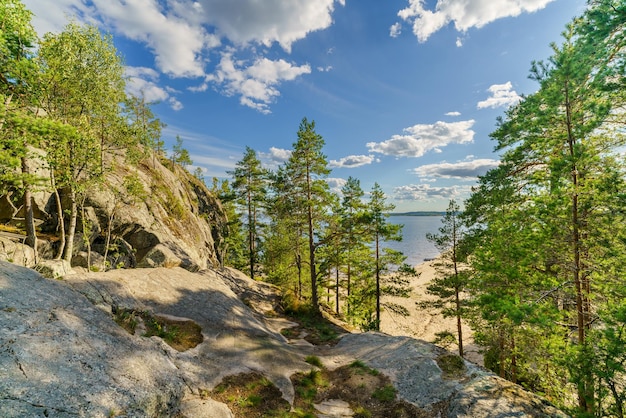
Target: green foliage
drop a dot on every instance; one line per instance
(363, 368)
(232, 249)
(546, 228)
(307, 169)
(384, 272)
(314, 361)
(249, 186)
(386, 393)
(180, 155)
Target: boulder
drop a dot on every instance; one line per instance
(160, 256)
(14, 251)
(87, 261)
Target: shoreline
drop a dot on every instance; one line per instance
(424, 324)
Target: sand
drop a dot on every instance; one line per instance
(424, 324)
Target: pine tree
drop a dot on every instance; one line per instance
(250, 187)
(452, 279)
(353, 232)
(549, 205)
(379, 230)
(180, 155)
(307, 168)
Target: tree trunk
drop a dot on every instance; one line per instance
(29, 218)
(337, 290)
(377, 284)
(60, 220)
(71, 231)
(314, 300)
(108, 240)
(459, 329)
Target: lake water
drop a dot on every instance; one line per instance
(414, 244)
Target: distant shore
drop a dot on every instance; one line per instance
(418, 213)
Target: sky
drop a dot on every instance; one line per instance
(405, 93)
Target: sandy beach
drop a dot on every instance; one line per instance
(425, 324)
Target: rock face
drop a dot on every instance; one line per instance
(62, 355)
(164, 217)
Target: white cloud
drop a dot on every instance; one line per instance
(175, 104)
(352, 161)
(395, 30)
(255, 84)
(425, 192)
(417, 140)
(501, 95)
(465, 14)
(51, 15)
(142, 82)
(463, 170)
(336, 183)
(453, 114)
(180, 34)
(275, 157)
(265, 22)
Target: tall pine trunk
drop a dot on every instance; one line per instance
(377, 283)
(585, 385)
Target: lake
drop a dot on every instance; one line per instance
(414, 244)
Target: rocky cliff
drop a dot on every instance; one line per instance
(64, 355)
(153, 214)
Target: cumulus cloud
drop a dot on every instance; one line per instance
(336, 183)
(275, 157)
(181, 33)
(453, 114)
(463, 170)
(465, 14)
(352, 161)
(256, 84)
(425, 192)
(502, 95)
(417, 140)
(268, 21)
(142, 82)
(395, 30)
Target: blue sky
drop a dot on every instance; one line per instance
(404, 92)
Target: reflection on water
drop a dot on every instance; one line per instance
(414, 244)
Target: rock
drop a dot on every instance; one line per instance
(7, 208)
(81, 260)
(15, 252)
(415, 372)
(172, 209)
(178, 223)
(334, 408)
(54, 269)
(62, 355)
(204, 408)
(160, 256)
(236, 339)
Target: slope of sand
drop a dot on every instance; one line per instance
(422, 323)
